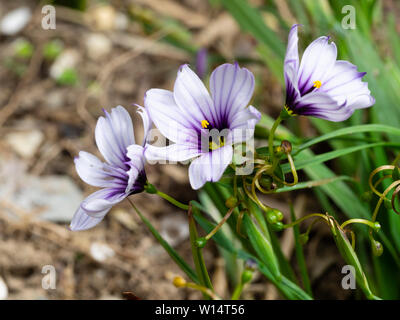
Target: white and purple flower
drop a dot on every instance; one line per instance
(189, 114)
(320, 85)
(120, 176)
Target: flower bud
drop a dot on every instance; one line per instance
(251, 264)
(286, 146)
(377, 248)
(231, 202)
(247, 275)
(179, 282)
(266, 182)
(377, 226)
(201, 242)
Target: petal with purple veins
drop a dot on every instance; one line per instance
(193, 98)
(173, 152)
(93, 209)
(317, 61)
(231, 89)
(210, 166)
(114, 134)
(167, 116)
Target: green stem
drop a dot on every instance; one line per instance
(220, 224)
(272, 135)
(238, 291)
(300, 255)
(362, 221)
(198, 259)
(305, 218)
(172, 253)
(172, 200)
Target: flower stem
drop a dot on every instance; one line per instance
(362, 221)
(238, 291)
(220, 224)
(202, 289)
(198, 259)
(272, 135)
(320, 215)
(172, 200)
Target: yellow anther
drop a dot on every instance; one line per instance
(204, 124)
(317, 84)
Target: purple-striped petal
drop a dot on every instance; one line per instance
(168, 118)
(193, 99)
(321, 105)
(173, 152)
(136, 155)
(317, 61)
(345, 83)
(243, 124)
(292, 52)
(147, 122)
(97, 173)
(114, 134)
(231, 89)
(91, 170)
(209, 166)
(93, 209)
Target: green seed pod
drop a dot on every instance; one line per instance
(231, 202)
(303, 238)
(266, 182)
(377, 248)
(271, 217)
(277, 226)
(201, 242)
(279, 214)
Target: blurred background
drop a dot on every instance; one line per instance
(55, 82)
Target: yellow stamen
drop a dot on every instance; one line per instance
(317, 84)
(204, 124)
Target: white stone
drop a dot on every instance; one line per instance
(3, 290)
(68, 59)
(25, 143)
(174, 229)
(15, 20)
(121, 21)
(101, 252)
(97, 45)
(53, 198)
